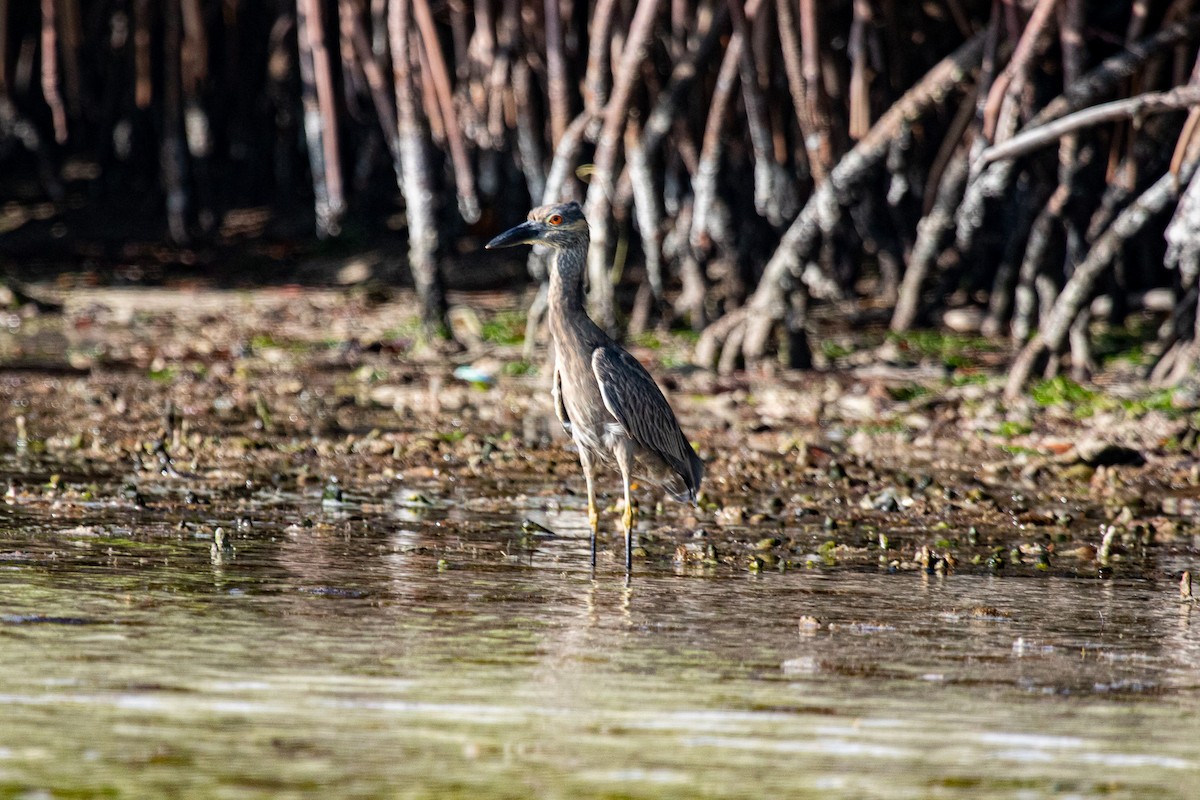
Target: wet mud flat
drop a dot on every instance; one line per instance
(271, 544)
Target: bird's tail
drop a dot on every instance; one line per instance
(687, 488)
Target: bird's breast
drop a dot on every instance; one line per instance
(592, 426)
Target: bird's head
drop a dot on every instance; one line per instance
(559, 226)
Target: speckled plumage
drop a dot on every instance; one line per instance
(604, 397)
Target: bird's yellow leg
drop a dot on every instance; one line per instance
(627, 518)
(593, 514)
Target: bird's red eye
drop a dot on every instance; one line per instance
(554, 219)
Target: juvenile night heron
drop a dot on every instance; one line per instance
(604, 398)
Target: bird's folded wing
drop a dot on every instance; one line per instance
(632, 396)
(560, 410)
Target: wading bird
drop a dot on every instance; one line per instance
(605, 399)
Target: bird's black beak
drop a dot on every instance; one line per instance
(525, 233)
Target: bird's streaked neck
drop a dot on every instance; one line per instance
(566, 277)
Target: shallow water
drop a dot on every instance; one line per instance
(384, 649)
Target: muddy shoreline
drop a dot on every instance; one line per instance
(205, 407)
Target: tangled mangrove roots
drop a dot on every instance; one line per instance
(1031, 161)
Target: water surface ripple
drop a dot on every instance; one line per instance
(446, 655)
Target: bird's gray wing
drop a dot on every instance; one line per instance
(560, 410)
(632, 396)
